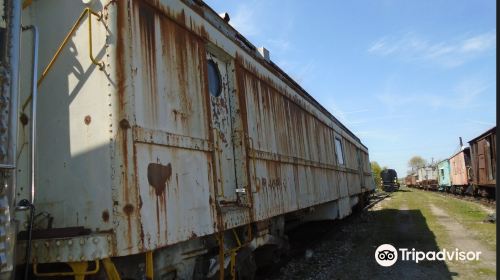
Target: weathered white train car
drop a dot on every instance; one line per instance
(427, 177)
(165, 138)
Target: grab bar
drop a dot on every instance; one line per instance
(86, 11)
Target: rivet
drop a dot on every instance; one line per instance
(47, 244)
(58, 243)
(70, 258)
(87, 119)
(96, 240)
(82, 258)
(70, 242)
(82, 241)
(58, 258)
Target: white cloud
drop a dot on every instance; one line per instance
(463, 95)
(450, 53)
(479, 43)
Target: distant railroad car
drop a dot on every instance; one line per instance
(444, 175)
(483, 162)
(408, 181)
(389, 180)
(411, 180)
(460, 170)
(177, 149)
(427, 177)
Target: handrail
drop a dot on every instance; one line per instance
(34, 94)
(86, 11)
(25, 204)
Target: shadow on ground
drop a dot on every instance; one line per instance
(346, 249)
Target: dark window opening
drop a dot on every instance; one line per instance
(214, 79)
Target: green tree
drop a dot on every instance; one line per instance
(376, 169)
(416, 162)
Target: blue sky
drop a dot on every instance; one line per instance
(407, 77)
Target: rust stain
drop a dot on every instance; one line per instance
(128, 209)
(121, 80)
(105, 216)
(124, 124)
(147, 18)
(158, 175)
(120, 53)
(24, 119)
(193, 236)
(87, 119)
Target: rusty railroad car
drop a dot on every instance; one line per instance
(411, 180)
(484, 165)
(460, 170)
(157, 140)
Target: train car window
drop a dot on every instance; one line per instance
(339, 153)
(214, 79)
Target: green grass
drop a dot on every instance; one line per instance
(485, 271)
(468, 214)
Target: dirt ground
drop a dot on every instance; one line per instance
(409, 219)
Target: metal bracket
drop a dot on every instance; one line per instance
(79, 270)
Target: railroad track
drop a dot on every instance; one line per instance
(376, 198)
(488, 202)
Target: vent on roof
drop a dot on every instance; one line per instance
(264, 53)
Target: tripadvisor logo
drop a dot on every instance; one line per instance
(387, 255)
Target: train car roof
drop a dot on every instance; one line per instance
(489, 131)
(446, 159)
(251, 49)
(461, 150)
